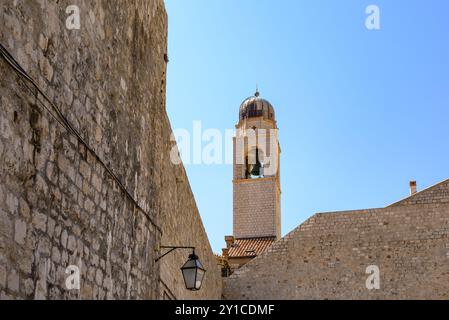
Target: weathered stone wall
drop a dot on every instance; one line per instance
(58, 204)
(182, 226)
(327, 256)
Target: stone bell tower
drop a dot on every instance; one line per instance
(256, 182)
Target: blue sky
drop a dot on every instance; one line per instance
(360, 113)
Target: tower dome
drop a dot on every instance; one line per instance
(255, 106)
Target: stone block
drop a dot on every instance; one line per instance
(6, 224)
(12, 203)
(2, 277)
(20, 231)
(39, 221)
(13, 281)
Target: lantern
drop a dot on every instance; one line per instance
(193, 273)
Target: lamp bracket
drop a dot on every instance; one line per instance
(171, 248)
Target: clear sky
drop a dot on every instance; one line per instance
(360, 112)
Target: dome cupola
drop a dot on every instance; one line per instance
(256, 106)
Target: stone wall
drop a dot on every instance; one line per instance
(59, 203)
(327, 256)
(182, 226)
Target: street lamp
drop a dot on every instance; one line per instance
(192, 271)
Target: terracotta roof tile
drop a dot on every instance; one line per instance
(250, 247)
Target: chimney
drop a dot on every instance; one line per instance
(225, 253)
(413, 189)
(229, 241)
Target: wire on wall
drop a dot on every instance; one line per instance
(57, 115)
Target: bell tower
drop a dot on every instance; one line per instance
(256, 185)
(256, 181)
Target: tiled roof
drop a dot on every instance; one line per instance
(250, 247)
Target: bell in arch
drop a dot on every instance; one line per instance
(255, 170)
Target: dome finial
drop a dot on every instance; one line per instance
(257, 91)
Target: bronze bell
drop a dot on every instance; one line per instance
(255, 169)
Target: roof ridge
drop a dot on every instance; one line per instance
(250, 238)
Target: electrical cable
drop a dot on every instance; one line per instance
(63, 121)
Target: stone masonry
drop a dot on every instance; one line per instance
(327, 256)
(255, 202)
(59, 205)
